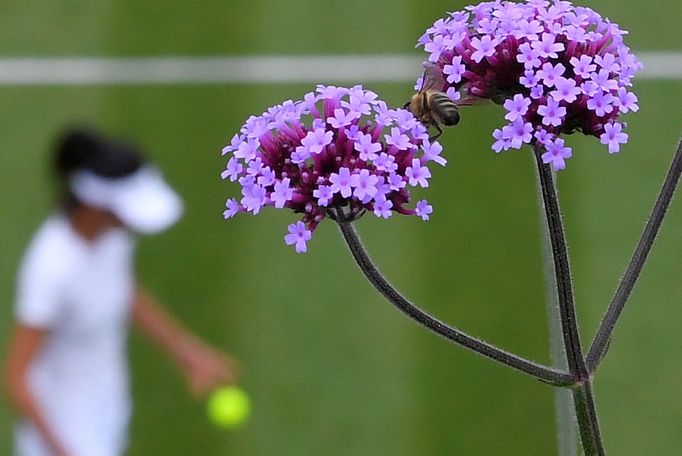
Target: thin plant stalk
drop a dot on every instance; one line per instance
(562, 270)
(583, 399)
(567, 438)
(588, 423)
(600, 344)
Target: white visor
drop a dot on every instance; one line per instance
(143, 201)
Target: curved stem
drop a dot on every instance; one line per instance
(603, 336)
(548, 375)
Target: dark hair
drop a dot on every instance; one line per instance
(86, 149)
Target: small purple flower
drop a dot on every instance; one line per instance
(353, 132)
(405, 119)
(340, 119)
(247, 149)
(432, 152)
(556, 153)
(398, 139)
(233, 170)
(528, 29)
(423, 209)
(455, 71)
(566, 90)
(487, 26)
(607, 62)
(234, 144)
(550, 73)
(576, 34)
(613, 137)
(282, 193)
(529, 56)
(583, 66)
(589, 88)
(516, 107)
(324, 195)
(254, 127)
(453, 94)
(364, 145)
(247, 181)
(435, 47)
(300, 155)
(385, 162)
(552, 114)
(365, 185)
(626, 101)
(542, 136)
(537, 92)
(266, 178)
(341, 182)
(547, 47)
(600, 103)
(331, 92)
(298, 235)
(255, 167)
(485, 47)
(384, 115)
(358, 106)
(603, 79)
(316, 140)
(254, 198)
(232, 208)
(518, 133)
(418, 174)
(382, 207)
(501, 141)
(396, 182)
(529, 79)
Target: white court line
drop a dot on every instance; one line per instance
(250, 69)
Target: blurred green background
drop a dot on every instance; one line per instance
(331, 367)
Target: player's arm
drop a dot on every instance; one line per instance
(24, 346)
(204, 367)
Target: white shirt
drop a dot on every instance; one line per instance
(81, 292)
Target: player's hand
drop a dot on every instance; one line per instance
(205, 368)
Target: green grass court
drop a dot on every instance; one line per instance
(332, 368)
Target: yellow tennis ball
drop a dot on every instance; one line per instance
(228, 407)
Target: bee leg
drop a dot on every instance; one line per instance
(437, 135)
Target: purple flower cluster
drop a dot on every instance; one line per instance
(336, 148)
(556, 68)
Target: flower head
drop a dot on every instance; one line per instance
(337, 148)
(555, 67)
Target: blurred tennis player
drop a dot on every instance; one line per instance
(67, 369)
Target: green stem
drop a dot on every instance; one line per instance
(588, 423)
(562, 270)
(567, 438)
(546, 374)
(600, 344)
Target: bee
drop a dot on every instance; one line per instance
(431, 106)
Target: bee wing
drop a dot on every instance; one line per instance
(433, 78)
(471, 100)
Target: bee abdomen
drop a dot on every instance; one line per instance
(444, 108)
